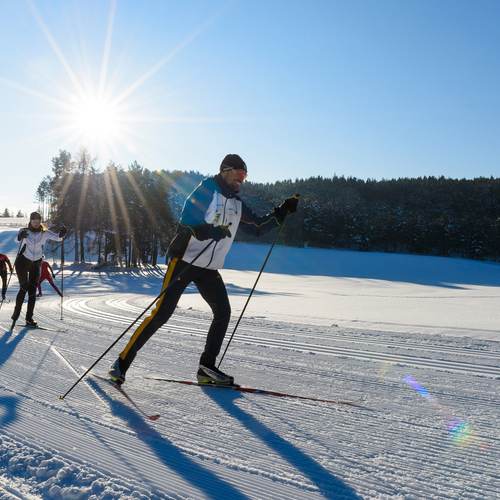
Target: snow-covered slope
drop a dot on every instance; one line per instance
(426, 425)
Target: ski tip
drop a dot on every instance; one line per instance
(153, 418)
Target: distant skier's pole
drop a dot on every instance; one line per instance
(134, 322)
(10, 275)
(62, 277)
(253, 288)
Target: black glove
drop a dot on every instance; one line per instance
(218, 233)
(287, 207)
(23, 233)
(210, 232)
(62, 232)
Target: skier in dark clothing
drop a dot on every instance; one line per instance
(46, 273)
(28, 262)
(4, 261)
(212, 211)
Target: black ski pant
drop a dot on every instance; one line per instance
(3, 275)
(211, 287)
(28, 274)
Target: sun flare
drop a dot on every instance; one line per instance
(97, 109)
(96, 120)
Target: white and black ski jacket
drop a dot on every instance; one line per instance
(213, 203)
(32, 245)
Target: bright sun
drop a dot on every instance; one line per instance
(95, 112)
(97, 121)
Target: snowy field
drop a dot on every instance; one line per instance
(413, 340)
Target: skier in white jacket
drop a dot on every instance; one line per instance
(28, 263)
(213, 211)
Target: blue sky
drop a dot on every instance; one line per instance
(377, 89)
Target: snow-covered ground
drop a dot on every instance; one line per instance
(414, 340)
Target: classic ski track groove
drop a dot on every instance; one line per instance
(246, 360)
(332, 336)
(195, 453)
(328, 335)
(70, 350)
(420, 443)
(423, 442)
(421, 451)
(395, 388)
(458, 366)
(207, 447)
(124, 305)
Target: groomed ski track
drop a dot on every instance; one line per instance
(221, 444)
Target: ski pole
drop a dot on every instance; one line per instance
(12, 270)
(253, 288)
(62, 277)
(134, 322)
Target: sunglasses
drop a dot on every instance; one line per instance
(241, 174)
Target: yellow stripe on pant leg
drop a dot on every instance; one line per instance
(140, 329)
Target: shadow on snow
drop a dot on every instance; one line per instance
(206, 481)
(7, 348)
(328, 485)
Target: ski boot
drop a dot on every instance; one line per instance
(31, 323)
(116, 373)
(212, 375)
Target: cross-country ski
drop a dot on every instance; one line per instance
(254, 390)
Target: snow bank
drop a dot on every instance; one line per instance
(50, 475)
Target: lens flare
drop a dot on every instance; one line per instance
(460, 431)
(415, 385)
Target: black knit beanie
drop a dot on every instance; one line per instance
(232, 161)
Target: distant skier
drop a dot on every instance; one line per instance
(28, 262)
(4, 261)
(212, 211)
(46, 273)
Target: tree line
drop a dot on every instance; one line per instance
(7, 213)
(118, 215)
(425, 215)
(128, 215)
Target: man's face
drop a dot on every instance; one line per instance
(35, 223)
(234, 178)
